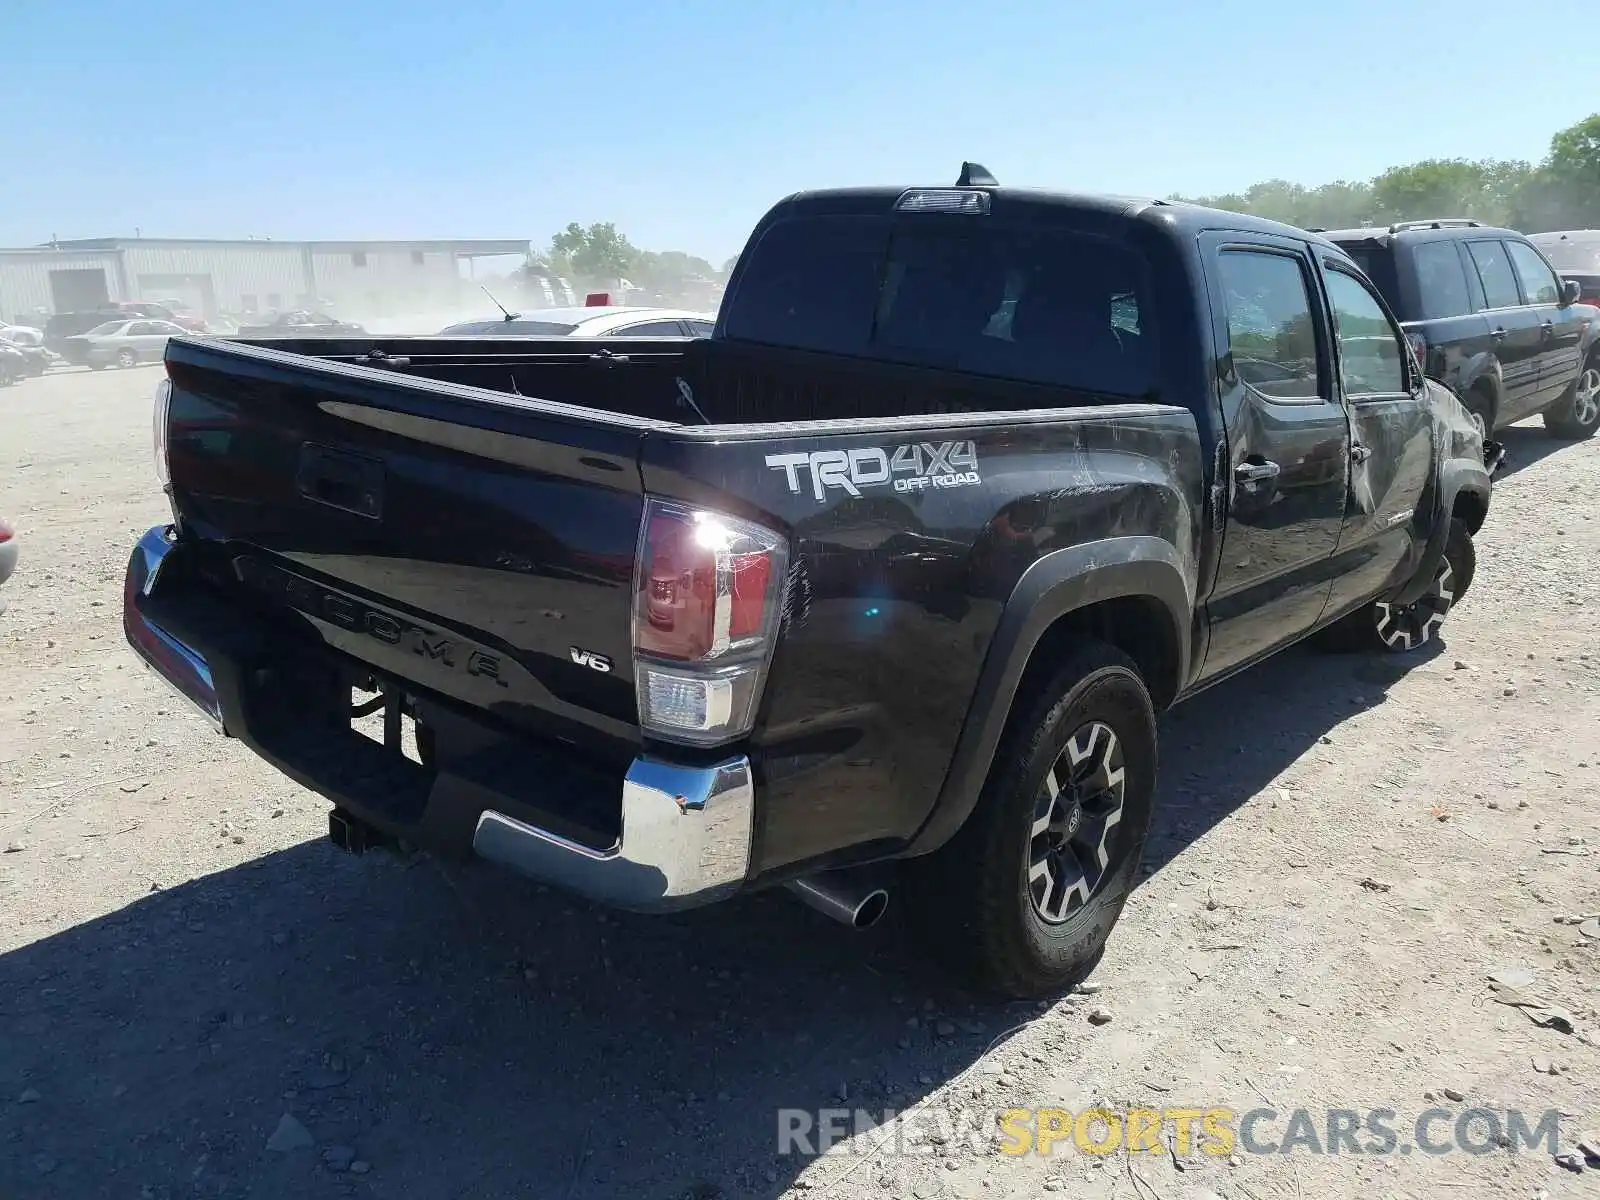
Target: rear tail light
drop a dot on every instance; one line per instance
(6, 533)
(597, 300)
(158, 429)
(708, 598)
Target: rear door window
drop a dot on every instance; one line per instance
(1441, 280)
(1050, 307)
(1271, 329)
(1494, 270)
(1538, 280)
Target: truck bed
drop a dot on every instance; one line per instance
(458, 519)
(729, 383)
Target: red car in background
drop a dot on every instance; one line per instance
(8, 556)
(160, 312)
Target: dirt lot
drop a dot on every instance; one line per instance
(1345, 850)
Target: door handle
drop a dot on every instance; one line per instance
(1498, 335)
(1548, 328)
(352, 482)
(1255, 472)
(1359, 453)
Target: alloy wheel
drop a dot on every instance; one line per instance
(1078, 806)
(1586, 396)
(1407, 626)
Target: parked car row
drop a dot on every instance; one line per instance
(121, 343)
(61, 326)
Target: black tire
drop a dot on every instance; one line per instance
(1388, 629)
(983, 900)
(127, 358)
(1577, 414)
(1480, 403)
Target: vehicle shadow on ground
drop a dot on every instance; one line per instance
(1527, 444)
(467, 1034)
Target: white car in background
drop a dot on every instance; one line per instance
(122, 343)
(22, 335)
(607, 320)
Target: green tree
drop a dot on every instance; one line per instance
(1571, 175)
(593, 253)
(670, 270)
(1450, 187)
(1562, 192)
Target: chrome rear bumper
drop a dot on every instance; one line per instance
(685, 831)
(181, 667)
(685, 840)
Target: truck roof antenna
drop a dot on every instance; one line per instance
(510, 316)
(974, 175)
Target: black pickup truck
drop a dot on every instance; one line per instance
(881, 585)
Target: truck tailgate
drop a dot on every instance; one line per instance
(475, 545)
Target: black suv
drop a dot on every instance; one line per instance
(1488, 316)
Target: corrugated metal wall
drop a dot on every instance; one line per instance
(260, 276)
(25, 278)
(371, 279)
(384, 282)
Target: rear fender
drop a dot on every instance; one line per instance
(1056, 585)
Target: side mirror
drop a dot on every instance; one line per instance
(1571, 291)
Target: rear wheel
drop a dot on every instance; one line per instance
(1480, 403)
(1577, 414)
(1024, 897)
(127, 358)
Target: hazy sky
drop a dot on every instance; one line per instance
(683, 121)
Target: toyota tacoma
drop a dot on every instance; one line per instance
(881, 586)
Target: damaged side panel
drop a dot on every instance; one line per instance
(908, 538)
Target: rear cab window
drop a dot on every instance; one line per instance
(1036, 305)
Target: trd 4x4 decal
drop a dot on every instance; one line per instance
(913, 467)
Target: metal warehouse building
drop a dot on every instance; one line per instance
(211, 277)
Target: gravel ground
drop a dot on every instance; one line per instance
(1344, 851)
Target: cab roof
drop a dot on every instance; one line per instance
(1045, 207)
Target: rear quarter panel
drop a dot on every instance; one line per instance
(899, 580)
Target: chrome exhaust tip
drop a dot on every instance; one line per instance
(848, 899)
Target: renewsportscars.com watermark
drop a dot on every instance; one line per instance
(1215, 1131)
